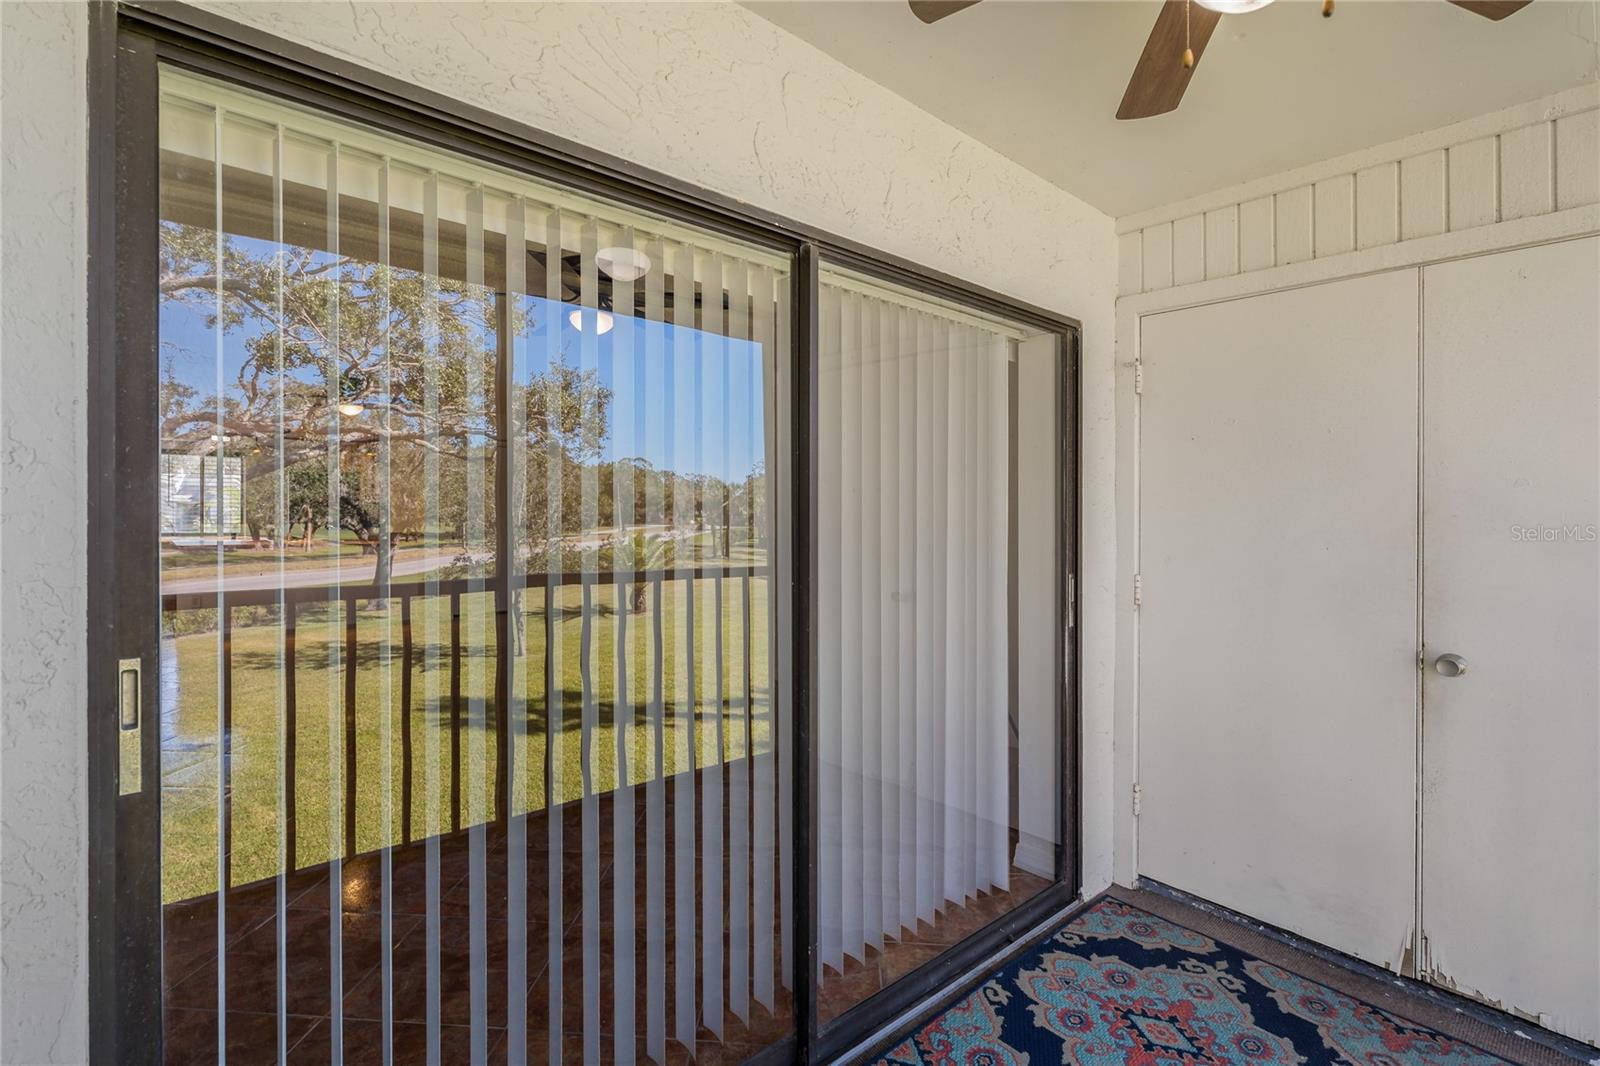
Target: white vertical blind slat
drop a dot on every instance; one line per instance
(711, 358)
(516, 569)
(764, 791)
(737, 412)
(474, 636)
(996, 565)
(655, 788)
(685, 956)
(280, 512)
(589, 518)
(555, 709)
(829, 592)
(870, 708)
(906, 441)
(433, 654)
(626, 341)
(849, 618)
(888, 651)
(336, 664)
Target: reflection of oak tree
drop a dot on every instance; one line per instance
(415, 353)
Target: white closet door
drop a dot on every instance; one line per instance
(1278, 548)
(1511, 797)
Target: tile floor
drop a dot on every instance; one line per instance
(252, 935)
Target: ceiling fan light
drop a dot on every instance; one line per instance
(623, 264)
(1233, 7)
(603, 321)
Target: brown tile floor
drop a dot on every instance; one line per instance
(862, 978)
(252, 956)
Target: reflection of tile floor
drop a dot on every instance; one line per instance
(840, 992)
(190, 958)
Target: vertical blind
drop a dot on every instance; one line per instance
(913, 711)
(471, 735)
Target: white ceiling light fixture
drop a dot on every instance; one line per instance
(623, 264)
(603, 321)
(350, 410)
(1233, 7)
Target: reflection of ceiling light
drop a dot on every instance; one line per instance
(623, 264)
(1233, 7)
(350, 410)
(603, 320)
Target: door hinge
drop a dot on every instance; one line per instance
(1138, 591)
(1138, 378)
(1072, 600)
(1138, 799)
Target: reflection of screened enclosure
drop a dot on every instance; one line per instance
(195, 491)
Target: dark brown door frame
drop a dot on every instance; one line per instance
(127, 43)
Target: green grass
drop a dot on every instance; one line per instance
(190, 765)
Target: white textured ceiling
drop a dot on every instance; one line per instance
(1279, 88)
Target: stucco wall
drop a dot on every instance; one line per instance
(43, 923)
(709, 93)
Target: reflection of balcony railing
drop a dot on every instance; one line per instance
(292, 599)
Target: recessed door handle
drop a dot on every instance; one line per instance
(130, 727)
(1450, 665)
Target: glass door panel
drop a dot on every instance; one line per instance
(938, 690)
(472, 743)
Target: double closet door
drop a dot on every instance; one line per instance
(1368, 677)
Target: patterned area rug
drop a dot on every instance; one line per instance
(1120, 985)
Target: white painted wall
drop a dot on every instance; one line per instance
(43, 341)
(706, 92)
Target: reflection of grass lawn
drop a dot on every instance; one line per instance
(189, 776)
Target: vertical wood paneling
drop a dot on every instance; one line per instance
(1189, 250)
(1158, 256)
(1378, 205)
(1335, 215)
(1577, 160)
(1222, 242)
(1474, 184)
(1422, 195)
(1292, 225)
(1255, 234)
(1519, 173)
(1130, 263)
(1527, 171)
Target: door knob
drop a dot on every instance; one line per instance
(1449, 665)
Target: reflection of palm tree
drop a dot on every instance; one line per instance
(642, 552)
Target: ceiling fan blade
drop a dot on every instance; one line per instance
(931, 11)
(1159, 79)
(1493, 9)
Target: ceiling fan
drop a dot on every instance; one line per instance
(1179, 38)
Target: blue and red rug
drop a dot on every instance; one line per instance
(1120, 985)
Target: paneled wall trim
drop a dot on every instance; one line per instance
(1539, 158)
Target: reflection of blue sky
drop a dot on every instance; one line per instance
(683, 399)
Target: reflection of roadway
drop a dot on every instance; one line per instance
(362, 570)
(358, 571)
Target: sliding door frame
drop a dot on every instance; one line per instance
(128, 43)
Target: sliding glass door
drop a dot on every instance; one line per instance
(472, 738)
(547, 628)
